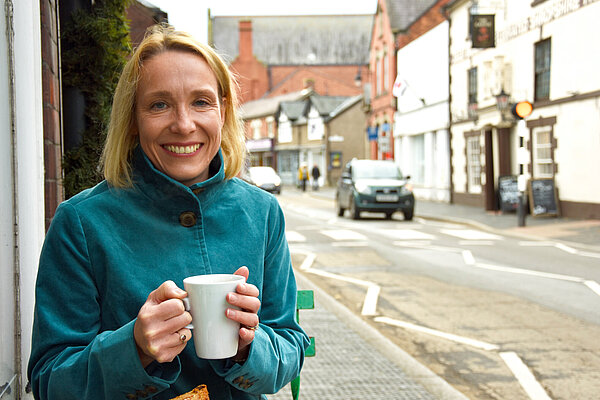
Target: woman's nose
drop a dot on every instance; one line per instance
(183, 122)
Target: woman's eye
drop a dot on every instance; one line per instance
(159, 105)
(200, 103)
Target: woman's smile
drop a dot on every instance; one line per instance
(182, 150)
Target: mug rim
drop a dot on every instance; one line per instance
(219, 279)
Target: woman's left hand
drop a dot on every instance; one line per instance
(246, 298)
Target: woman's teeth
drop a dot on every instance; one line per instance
(182, 149)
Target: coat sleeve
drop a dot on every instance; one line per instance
(277, 352)
(71, 357)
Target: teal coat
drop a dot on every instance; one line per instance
(108, 248)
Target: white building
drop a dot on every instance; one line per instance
(421, 141)
(545, 53)
(21, 186)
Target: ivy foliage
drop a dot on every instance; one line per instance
(95, 44)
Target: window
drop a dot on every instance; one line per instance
(386, 72)
(473, 164)
(378, 76)
(542, 70)
(543, 166)
(256, 125)
(473, 85)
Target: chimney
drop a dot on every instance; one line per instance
(245, 43)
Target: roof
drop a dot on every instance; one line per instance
(349, 102)
(293, 109)
(403, 13)
(269, 106)
(326, 104)
(297, 40)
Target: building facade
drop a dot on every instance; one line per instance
(538, 54)
(421, 123)
(392, 18)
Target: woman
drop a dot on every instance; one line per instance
(109, 320)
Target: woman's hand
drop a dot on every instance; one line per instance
(160, 326)
(246, 298)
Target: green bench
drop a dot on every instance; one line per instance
(305, 301)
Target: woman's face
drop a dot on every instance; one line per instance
(178, 115)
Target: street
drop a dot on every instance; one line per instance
(497, 317)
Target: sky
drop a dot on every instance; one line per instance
(192, 15)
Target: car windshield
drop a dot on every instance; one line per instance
(381, 170)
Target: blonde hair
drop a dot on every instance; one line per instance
(120, 142)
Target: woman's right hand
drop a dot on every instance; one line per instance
(160, 325)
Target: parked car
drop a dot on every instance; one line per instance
(376, 186)
(265, 178)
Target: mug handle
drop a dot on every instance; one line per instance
(186, 305)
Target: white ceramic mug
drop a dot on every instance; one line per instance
(215, 335)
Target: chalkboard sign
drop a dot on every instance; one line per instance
(508, 192)
(543, 199)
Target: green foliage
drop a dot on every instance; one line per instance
(96, 43)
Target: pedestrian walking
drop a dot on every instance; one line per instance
(303, 176)
(316, 174)
(109, 321)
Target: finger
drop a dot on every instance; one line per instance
(168, 309)
(182, 337)
(244, 318)
(246, 303)
(168, 290)
(243, 271)
(246, 337)
(247, 289)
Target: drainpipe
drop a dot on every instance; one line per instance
(10, 37)
(447, 15)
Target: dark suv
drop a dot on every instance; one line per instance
(376, 186)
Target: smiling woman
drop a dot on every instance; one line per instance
(109, 310)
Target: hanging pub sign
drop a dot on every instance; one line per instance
(483, 31)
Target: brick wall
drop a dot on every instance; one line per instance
(53, 190)
(432, 18)
(326, 80)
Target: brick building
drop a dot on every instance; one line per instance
(391, 20)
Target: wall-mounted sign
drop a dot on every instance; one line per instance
(335, 159)
(483, 31)
(372, 132)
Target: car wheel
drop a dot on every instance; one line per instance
(388, 215)
(354, 211)
(340, 209)
(408, 214)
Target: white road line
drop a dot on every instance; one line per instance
(594, 286)
(475, 243)
(468, 257)
(344, 234)
(529, 272)
(566, 248)
(350, 244)
(370, 303)
(532, 387)
(471, 234)
(405, 234)
(308, 261)
(413, 243)
(535, 243)
(293, 236)
(449, 336)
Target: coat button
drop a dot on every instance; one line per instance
(187, 219)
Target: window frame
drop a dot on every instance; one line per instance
(542, 69)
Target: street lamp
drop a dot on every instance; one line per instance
(502, 100)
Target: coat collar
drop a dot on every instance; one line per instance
(155, 183)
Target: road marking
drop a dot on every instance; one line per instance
(475, 243)
(532, 387)
(528, 272)
(471, 234)
(405, 234)
(293, 236)
(344, 234)
(373, 290)
(562, 247)
(566, 248)
(594, 286)
(350, 244)
(449, 336)
(468, 257)
(413, 243)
